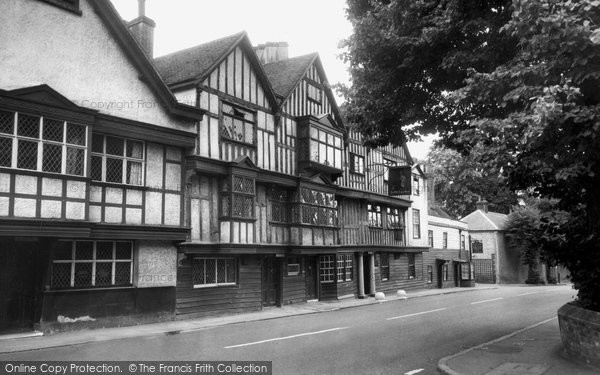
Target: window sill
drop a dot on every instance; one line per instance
(214, 286)
(91, 289)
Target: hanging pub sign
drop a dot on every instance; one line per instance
(399, 180)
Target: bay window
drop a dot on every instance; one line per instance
(317, 208)
(237, 197)
(117, 160)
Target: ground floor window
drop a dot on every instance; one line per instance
(445, 272)
(466, 271)
(293, 266)
(209, 272)
(412, 272)
(429, 274)
(88, 264)
(384, 266)
(344, 267)
(326, 268)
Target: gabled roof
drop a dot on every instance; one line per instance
(110, 17)
(193, 65)
(286, 75)
(480, 220)
(46, 95)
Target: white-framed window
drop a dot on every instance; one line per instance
(416, 217)
(430, 238)
(429, 274)
(445, 272)
(42, 144)
(325, 148)
(238, 124)
(92, 264)
(374, 215)
(416, 185)
(462, 242)
(327, 268)
(344, 267)
(384, 266)
(117, 160)
(211, 272)
(357, 164)
(445, 240)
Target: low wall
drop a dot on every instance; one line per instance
(580, 333)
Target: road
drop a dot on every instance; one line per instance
(396, 337)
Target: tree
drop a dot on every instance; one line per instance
(460, 181)
(532, 110)
(524, 232)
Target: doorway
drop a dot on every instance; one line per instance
(270, 281)
(311, 278)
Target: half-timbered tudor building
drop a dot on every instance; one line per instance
(285, 204)
(92, 146)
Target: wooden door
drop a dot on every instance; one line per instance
(270, 281)
(311, 277)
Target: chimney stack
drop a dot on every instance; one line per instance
(272, 52)
(482, 205)
(142, 29)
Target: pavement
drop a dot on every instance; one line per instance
(534, 350)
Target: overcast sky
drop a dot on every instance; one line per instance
(307, 25)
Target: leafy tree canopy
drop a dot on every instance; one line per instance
(515, 81)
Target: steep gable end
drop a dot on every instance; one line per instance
(44, 94)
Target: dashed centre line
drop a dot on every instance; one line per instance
(415, 314)
(413, 372)
(487, 300)
(286, 337)
(526, 294)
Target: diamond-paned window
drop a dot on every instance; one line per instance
(238, 202)
(35, 135)
(316, 208)
(238, 124)
(117, 160)
(279, 206)
(211, 272)
(89, 264)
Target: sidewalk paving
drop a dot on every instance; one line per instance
(14, 343)
(534, 350)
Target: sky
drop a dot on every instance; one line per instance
(307, 25)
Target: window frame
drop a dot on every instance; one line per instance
(444, 240)
(280, 206)
(327, 274)
(15, 143)
(384, 266)
(294, 261)
(319, 141)
(374, 212)
(429, 274)
(416, 185)
(445, 271)
(229, 195)
(416, 222)
(345, 267)
(317, 90)
(216, 284)
(126, 161)
(357, 164)
(412, 268)
(94, 261)
(430, 238)
(224, 131)
(326, 214)
(462, 242)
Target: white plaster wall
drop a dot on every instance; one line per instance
(77, 56)
(489, 241)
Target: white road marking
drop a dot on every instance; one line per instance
(487, 300)
(413, 372)
(286, 337)
(526, 294)
(415, 314)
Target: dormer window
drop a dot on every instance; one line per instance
(314, 93)
(238, 124)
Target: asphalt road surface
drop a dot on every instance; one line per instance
(396, 337)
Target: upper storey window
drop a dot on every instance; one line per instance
(238, 124)
(317, 208)
(325, 148)
(42, 144)
(314, 93)
(118, 160)
(237, 197)
(416, 185)
(357, 164)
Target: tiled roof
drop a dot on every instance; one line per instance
(284, 75)
(498, 219)
(434, 210)
(194, 62)
(480, 220)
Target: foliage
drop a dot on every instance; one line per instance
(524, 233)
(460, 181)
(512, 84)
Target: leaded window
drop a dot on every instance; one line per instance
(314, 93)
(237, 197)
(325, 148)
(384, 266)
(374, 212)
(357, 164)
(238, 124)
(117, 160)
(90, 264)
(317, 207)
(326, 268)
(279, 206)
(209, 272)
(344, 267)
(42, 144)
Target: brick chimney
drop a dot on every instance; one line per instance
(482, 205)
(271, 52)
(142, 29)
